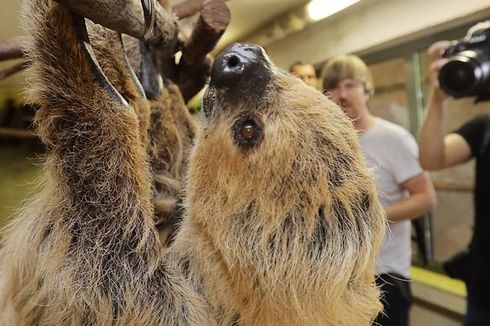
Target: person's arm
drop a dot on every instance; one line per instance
(436, 150)
(422, 199)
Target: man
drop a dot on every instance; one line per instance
(306, 72)
(405, 190)
(438, 152)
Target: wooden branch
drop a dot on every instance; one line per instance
(212, 23)
(17, 133)
(12, 48)
(195, 66)
(127, 17)
(13, 69)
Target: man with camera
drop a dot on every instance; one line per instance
(461, 69)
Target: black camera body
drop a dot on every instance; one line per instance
(467, 73)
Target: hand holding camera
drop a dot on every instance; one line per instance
(436, 52)
(464, 65)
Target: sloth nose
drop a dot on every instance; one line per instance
(238, 62)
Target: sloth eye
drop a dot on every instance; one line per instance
(248, 131)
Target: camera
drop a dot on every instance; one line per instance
(467, 73)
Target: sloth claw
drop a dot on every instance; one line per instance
(149, 12)
(81, 29)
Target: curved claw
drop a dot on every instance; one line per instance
(132, 74)
(149, 12)
(81, 30)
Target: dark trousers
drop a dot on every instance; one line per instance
(396, 297)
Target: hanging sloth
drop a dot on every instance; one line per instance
(280, 218)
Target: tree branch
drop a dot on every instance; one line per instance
(194, 66)
(12, 48)
(17, 133)
(127, 17)
(187, 8)
(212, 23)
(13, 69)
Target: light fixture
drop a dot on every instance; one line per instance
(319, 9)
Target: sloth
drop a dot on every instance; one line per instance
(281, 221)
(85, 249)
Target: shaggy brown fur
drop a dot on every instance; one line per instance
(109, 51)
(170, 136)
(171, 133)
(84, 251)
(283, 233)
(166, 127)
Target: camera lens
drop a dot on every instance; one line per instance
(457, 77)
(463, 74)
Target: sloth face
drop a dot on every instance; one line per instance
(269, 138)
(240, 79)
(276, 172)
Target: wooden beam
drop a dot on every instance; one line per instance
(17, 133)
(127, 17)
(191, 79)
(13, 69)
(12, 48)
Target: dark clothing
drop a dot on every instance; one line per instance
(476, 132)
(476, 314)
(396, 297)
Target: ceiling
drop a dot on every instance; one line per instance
(248, 15)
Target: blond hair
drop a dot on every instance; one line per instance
(347, 66)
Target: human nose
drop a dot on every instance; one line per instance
(340, 93)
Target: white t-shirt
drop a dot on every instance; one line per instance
(392, 153)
